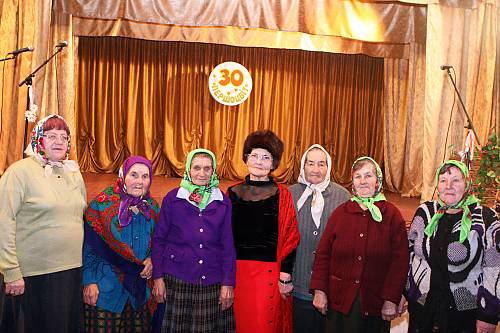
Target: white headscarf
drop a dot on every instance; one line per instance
(316, 190)
(35, 149)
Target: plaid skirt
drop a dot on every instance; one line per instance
(194, 308)
(98, 320)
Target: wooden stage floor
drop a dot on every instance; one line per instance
(95, 183)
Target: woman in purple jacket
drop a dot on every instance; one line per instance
(194, 259)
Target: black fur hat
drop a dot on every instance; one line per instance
(267, 140)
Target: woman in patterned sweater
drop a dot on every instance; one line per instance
(453, 282)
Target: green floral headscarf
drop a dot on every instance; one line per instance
(467, 199)
(377, 196)
(199, 194)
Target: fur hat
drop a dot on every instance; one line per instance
(267, 140)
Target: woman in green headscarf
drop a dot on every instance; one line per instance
(453, 281)
(361, 261)
(194, 260)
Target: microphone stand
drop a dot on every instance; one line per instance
(469, 121)
(28, 81)
(7, 58)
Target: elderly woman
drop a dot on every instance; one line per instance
(193, 252)
(453, 282)
(265, 235)
(116, 264)
(315, 198)
(362, 259)
(42, 199)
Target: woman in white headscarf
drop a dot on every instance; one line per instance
(42, 199)
(315, 198)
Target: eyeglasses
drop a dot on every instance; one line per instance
(54, 137)
(256, 157)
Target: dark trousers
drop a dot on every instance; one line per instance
(306, 319)
(415, 327)
(51, 303)
(457, 322)
(354, 322)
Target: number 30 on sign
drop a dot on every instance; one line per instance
(230, 83)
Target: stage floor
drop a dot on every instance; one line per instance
(95, 183)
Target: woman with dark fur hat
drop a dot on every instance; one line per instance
(265, 234)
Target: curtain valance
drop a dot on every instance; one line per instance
(382, 29)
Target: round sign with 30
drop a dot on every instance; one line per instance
(230, 83)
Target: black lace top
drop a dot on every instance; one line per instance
(255, 222)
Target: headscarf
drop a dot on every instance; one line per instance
(36, 146)
(467, 199)
(377, 196)
(128, 200)
(316, 190)
(199, 194)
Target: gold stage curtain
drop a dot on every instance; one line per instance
(413, 132)
(382, 29)
(472, 50)
(152, 98)
(15, 33)
(404, 90)
(24, 23)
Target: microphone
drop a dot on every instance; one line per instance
(444, 67)
(24, 49)
(62, 44)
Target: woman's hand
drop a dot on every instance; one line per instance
(147, 272)
(483, 327)
(14, 288)
(226, 297)
(90, 294)
(389, 311)
(403, 306)
(159, 291)
(320, 301)
(285, 288)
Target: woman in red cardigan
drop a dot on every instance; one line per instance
(265, 235)
(362, 259)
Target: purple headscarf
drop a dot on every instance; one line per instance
(127, 200)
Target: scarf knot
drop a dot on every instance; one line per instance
(369, 203)
(465, 223)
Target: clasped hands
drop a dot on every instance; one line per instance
(389, 310)
(91, 291)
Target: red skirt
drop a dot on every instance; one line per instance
(258, 306)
